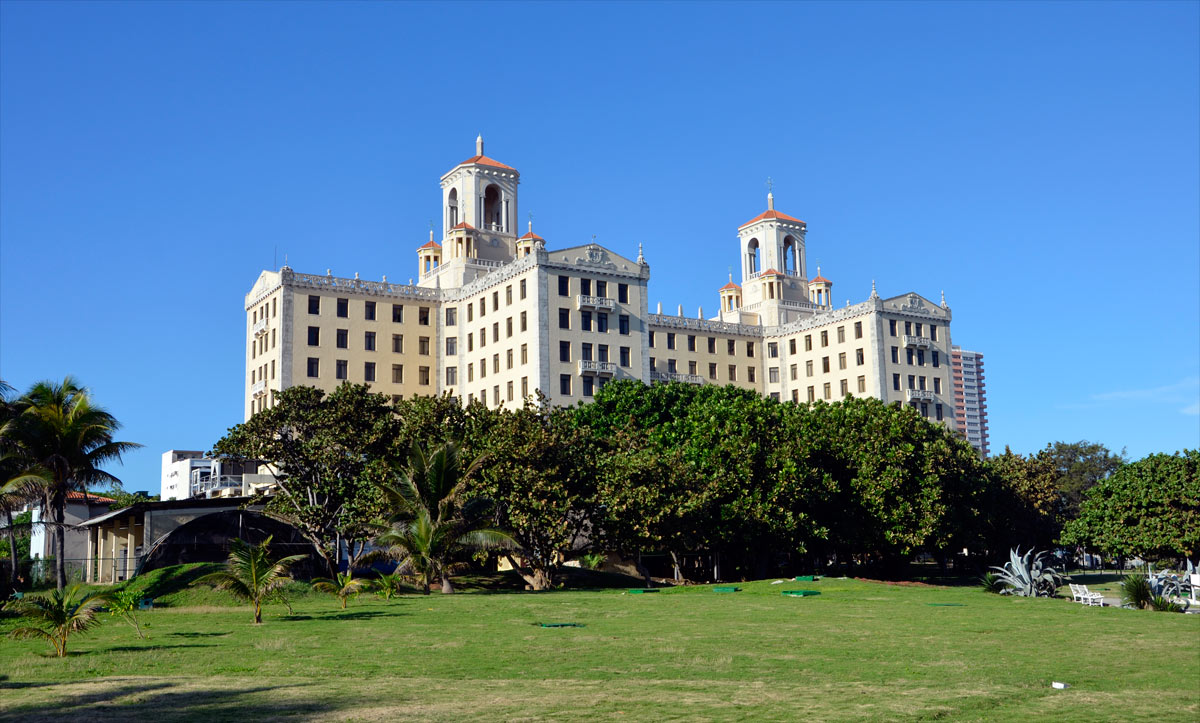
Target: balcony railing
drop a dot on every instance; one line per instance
(602, 368)
(594, 302)
(259, 387)
(259, 327)
(919, 342)
(676, 377)
(923, 395)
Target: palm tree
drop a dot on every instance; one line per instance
(389, 585)
(63, 612)
(251, 575)
(64, 439)
(344, 586)
(430, 521)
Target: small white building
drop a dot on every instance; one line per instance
(189, 474)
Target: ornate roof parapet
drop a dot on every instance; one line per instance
(330, 282)
(720, 327)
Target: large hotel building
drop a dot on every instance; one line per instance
(494, 314)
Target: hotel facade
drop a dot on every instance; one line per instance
(495, 315)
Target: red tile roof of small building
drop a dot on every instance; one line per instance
(770, 272)
(820, 279)
(771, 214)
(90, 497)
(531, 235)
(730, 285)
(485, 161)
(465, 225)
(430, 245)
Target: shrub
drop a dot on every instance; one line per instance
(1136, 592)
(1028, 576)
(991, 582)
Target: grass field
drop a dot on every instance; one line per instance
(858, 650)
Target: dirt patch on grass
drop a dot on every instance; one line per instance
(897, 583)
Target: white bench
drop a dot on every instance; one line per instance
(1081, 594)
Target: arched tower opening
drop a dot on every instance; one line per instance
(452, 209)
(791, 256)
(752, 266)
(493, 209)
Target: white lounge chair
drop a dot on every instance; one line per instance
(1081, 594)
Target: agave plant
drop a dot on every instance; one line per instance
(991, 582)
(1136, 591)
(1028, 575)
(343, 587)
(1166, 605)
(62, 613)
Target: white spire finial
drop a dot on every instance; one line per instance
(874, 293)
(479, 145)
(700, 312)
(431, 234)
(943, 298)
(531, 223)
(818, 269)
(641, 259)
(770, 202)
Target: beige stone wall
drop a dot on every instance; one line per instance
(706, 352)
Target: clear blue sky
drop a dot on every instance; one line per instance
(1038, 162)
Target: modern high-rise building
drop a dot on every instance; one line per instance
(970, 398)
(494, 315)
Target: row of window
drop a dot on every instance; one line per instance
(265, 310)
(341, 369)
(483, 393)
(342, 340)
(910, 327)
(730, 344)
(452, 372)
(600, 318)
(452, 319)
(773, 348)
(262, 344)
(916, 357)
(731, 370)
(588, 385)
(585, 353)
(452, 342)
(827, 390)
(369, 310)
(585, 289)
(917, 382)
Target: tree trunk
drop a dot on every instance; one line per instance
(447, 588)
(60, 545)
(257, 613)
(642, 570)
(675, 564)
(12, 549)
(538, 577)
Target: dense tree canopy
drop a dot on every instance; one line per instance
(1149, 508)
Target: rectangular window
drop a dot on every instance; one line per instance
(793, 372)
(585, 287)
(564, 351)
(602, 289)
(343, 338)
(841, 360)
(451, 376)
(651, 338)
(895, 355)
(812, 394)
(712, 370)
(624, 356)
(483, 311)
(585, 320)
(795, 396)
(841, 331)
(825, 364)
(496, 331)
(845, 388)
(470, 342)
(750, 374)
(938, 410)
(670, 340)
(653, 366)
(272, 368)
(523, 288)
(671, 366)
(314, 367)
(423, 315)
(495, 301)
(586, 352)
(601, 322)
(423, 345)
(925, 409)
(912, 381)
(773, 375)
(731, 347)
(808, 342)
(937, 385)
(369, 340)
(524, 383)
(933, 332)
(808, 368)
(495, 363)
(933, 357)
(423, 376)
(825, 338)
(368, 371)
(564, 289)
(524, 321)
(508, 295)
(564, 318)
(314, 336)
(623, 324)
(369, 310)
(919, 326)
(452, 346)
(791, 346)
(909, 355)
(471, 372)
(564, 383)
(451, 316)
(827, 390)
(314, 304)
(862, 384)
(524, 353)
(602, 352)
(892, 326)
(691, 367)
(470, 312)
(859, 357)
(588, 385)
(510, 391)
(340, 369)
(397, 373)
(691, 343)
(773, 350)
(623, 293)
(397, 313)
(858, 330)
(398, 343)
(343, 308)
(508, 358)
(920, 357)
(750, 350)
(712, 345)
(908, 327)
(732, 372)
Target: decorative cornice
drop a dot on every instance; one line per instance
(720, 327)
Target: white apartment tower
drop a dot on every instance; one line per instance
(970, 398)
(493, 316)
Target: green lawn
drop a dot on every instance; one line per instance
(858, 650)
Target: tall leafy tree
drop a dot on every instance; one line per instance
(327, 451)
(1025, 502)
(1149, 508)
(65, 441)
(430, 519)
(541, 473)
(1079, 466)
